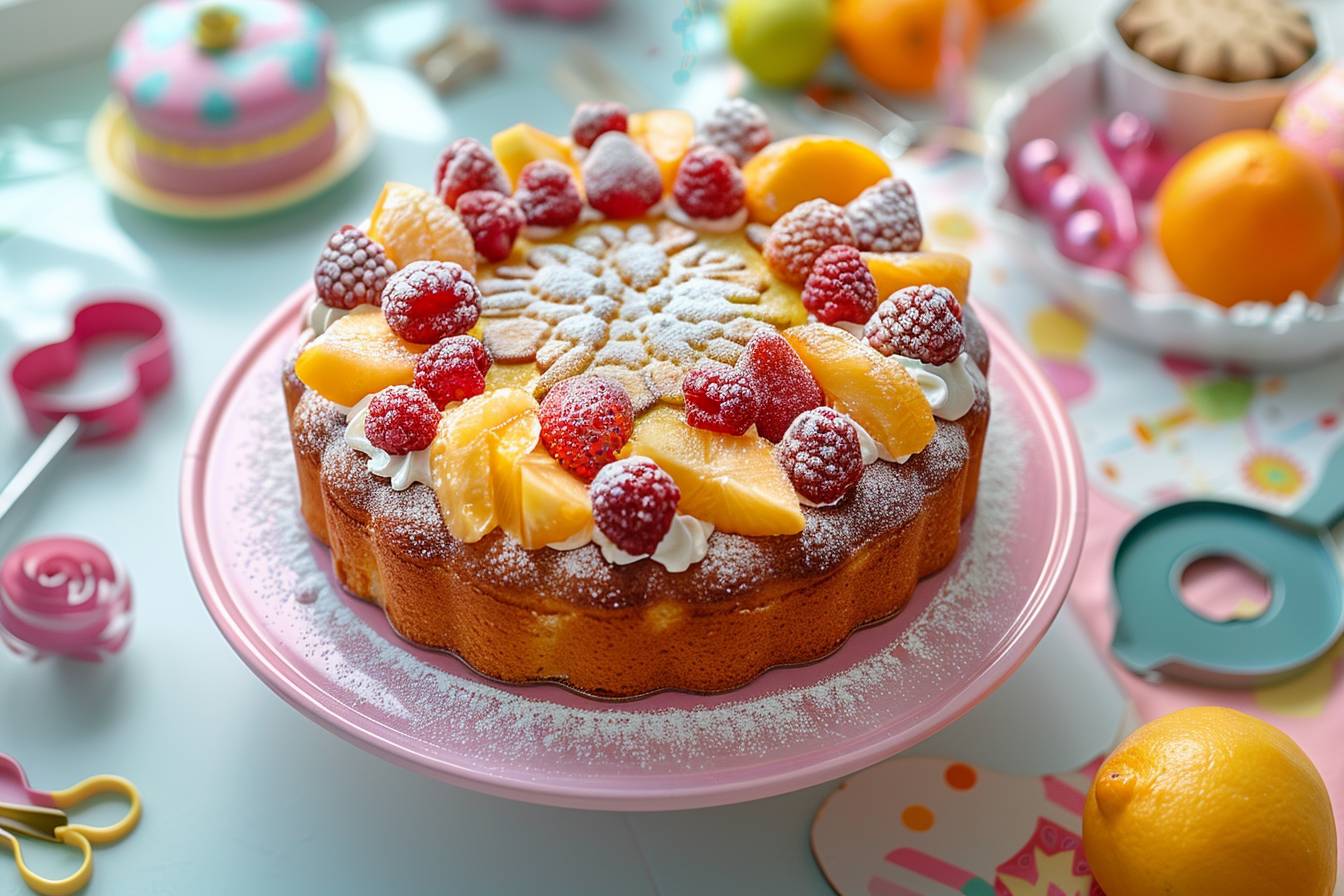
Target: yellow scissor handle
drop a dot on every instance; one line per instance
(65, 886)
(97, 786)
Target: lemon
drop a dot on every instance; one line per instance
(1209, 801)
(781, 42)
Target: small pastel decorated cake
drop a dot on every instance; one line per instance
(226, 97)
(660, 404)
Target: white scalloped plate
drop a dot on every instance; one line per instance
(1061, 101)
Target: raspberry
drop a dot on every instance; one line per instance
(738, 127)
(548, 195)
(453, 369)
(352, 270)
(840, 287)
(708, 184)
(634, 503)
(430, 300)
(401, 419)
(466, 165)
(821, 455)
(784, 386)
(592, 120)
(719, 398)
(918, 322)
(622, 179)
(797, 240)
(885, 218)
(493, 220)
(585, 421)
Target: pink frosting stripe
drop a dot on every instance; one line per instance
(1063, 795)
(934, 869)
(273, 77)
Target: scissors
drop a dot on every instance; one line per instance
(42, 815)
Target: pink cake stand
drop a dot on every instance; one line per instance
(269, 587)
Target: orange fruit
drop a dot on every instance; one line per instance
(875, 391)
(1209, 800)
(514, 147)
(539, 501)
(1000, 9)
(412, 225)
(897, 270)
(792, 171)
(1243, 217)
(478, 446)
(666, 134)
(733, 482)
(357, 356)
(898, 44)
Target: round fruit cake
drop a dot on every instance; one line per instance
(656, 405)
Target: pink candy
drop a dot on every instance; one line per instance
(1089, 224)
(1136, 152)
(64, 596)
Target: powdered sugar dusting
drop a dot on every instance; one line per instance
(337, 639)
(639, 303)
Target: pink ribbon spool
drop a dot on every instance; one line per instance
(64, 596)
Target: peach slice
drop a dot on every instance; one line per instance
(733, 482)
(789, 172)
(667, 134)
(875, 391)
(478, 446)
(357, 356)
(514, 147)
(412, 225)
(897, 270)
(540, 502)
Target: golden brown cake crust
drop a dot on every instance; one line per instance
(622, 631)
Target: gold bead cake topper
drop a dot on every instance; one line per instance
(218, 28)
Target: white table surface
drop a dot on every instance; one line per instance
(242, 793)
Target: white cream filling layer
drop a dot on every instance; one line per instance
(321, 316)
(685, 544)
(401, 470)
(730, 224)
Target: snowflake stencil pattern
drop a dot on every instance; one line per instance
(638, 303)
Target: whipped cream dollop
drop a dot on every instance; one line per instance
(322, 315)
(730, 224)
(949, 388)
(402, 470)
(685, 544)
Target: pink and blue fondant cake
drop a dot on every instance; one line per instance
(226, 97)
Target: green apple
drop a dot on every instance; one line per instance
(781, 42)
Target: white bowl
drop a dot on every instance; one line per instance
(1189, 109)
(1149, 309)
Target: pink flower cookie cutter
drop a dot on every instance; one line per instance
(66, 595)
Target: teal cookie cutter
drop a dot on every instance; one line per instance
(1156, 634)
